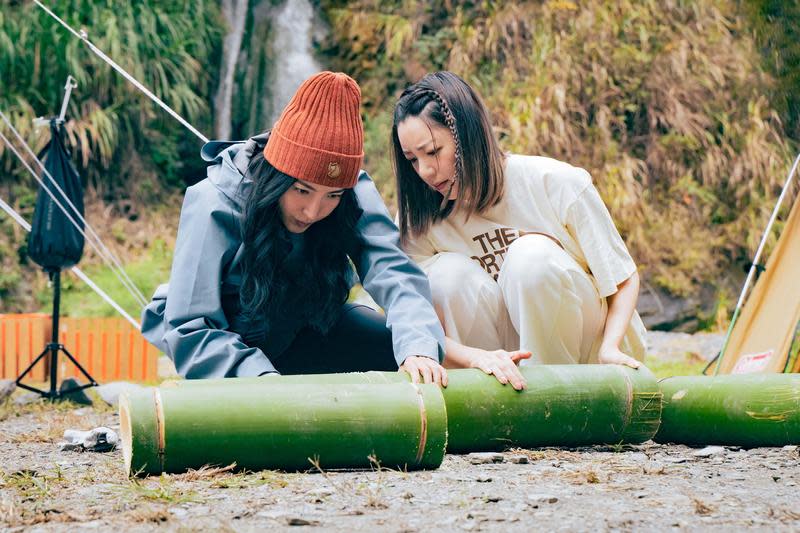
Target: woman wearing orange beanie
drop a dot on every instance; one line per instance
(262, 265)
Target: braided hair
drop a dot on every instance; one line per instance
(444, 99)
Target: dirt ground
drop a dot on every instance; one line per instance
(623, 488)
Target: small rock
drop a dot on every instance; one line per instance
(708, 451)
(789, 448)
(27, 398)
(640, 495)
(485, 458)
(483, 480)
(542, 498)
(178, 513)
(109, 392)
(79, 396)
(294, 521)
(674, 460)
(319, 495)
(637, 457)
(493, 499)
(7, 387)
(519, 459)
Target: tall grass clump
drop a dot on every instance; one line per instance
(663, 101)
(124, 144)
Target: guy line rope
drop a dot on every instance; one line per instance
(93, 238)
(21, 221)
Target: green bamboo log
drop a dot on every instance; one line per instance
(564, 405)
(284, 426)
(344, 378)
(745, 410)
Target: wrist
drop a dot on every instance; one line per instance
(609, 344)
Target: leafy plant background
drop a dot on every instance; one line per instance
(687, 114)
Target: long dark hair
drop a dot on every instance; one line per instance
(317, 286)
(445, 99)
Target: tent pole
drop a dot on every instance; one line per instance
(71, 84)
(754, 267)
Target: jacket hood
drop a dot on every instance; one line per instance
(229, 161)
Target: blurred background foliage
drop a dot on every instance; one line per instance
(669, 104)
(130, 153)
(685, 112)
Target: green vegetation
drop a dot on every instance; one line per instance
(679, 109)
(147, 272)
(690, 365)
(776, 25)
(127, 150)
(663, 102)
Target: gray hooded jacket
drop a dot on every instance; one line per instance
(196, 319)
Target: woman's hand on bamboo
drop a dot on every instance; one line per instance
(502, 365)
(612, 355)
(424, 369)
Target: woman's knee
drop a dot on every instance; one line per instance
(454, 275)
(535, 260)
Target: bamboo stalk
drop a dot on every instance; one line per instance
(744, 409)
(345, 378)
(564, 405)
(284, 426)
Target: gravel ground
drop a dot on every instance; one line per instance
(649, 486)
(626, 488)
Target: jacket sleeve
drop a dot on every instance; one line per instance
(394, 281)
(196, 333)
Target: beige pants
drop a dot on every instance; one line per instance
(542, 302)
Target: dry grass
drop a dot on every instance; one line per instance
(702, 508)
(662, 101)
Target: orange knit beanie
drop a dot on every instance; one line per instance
(319, 136)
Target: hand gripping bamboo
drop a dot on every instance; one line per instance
(285, 426)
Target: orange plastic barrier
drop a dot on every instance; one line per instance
(22, 339)
(110, 349)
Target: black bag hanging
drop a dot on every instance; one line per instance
(54, 242)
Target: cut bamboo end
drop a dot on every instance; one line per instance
(125, 429)
(433, 425)
(644, 399)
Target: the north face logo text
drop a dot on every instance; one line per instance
(495, 245)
